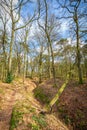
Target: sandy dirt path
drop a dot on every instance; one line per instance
(17, 91)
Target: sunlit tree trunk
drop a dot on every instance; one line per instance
(24, 67)
(25, 53)
(11, 47)
(4, 21)
(48, 108)
(4, 38)
(53, 67)
(40, 68)
(49, 42)
(40, 64)
(56, 98)
(27, 65)
(48, 61)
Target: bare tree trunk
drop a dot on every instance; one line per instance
(10, 53)
(49, 41)
(48, 59)
(3, 43)
(53, 67)
(52, 56)
(24, 67)
(25, 53)
(4, 35)
(40, 69)
(78, 49)
(27, 66)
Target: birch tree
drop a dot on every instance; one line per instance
(50, 27)
(4, 40)
(75, 10)
(13, 9)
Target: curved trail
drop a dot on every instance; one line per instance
(16, 92)
(8, 101)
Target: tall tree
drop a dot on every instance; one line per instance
(50, 26)
(4, 40)
(12, 8)
(75, 10)
(39, 38)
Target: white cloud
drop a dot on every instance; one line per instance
(64, 26)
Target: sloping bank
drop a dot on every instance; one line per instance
(71, 106)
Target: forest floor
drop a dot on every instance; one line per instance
(72, 105)
(19, 110)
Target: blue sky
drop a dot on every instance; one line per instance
(28, 9)
(54, 8)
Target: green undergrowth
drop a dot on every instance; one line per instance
(41, 96)
(25, 107)
(33, 126)
(24, 110)
(9, 78)
(39, 122)
(16, 117)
